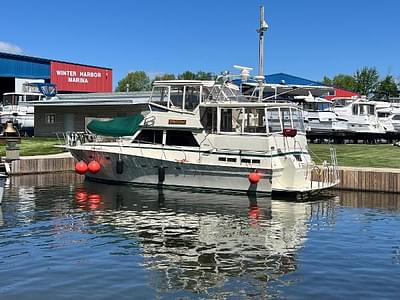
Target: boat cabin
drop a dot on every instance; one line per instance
(251, 118)
(224, 110)
(320, 105)
(363, 109)
(17, 98)
(342, 102)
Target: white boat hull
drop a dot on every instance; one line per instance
(142, 170)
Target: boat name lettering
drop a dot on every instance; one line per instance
(176, 122)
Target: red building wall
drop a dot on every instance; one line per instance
(79, 78)
(341, 93)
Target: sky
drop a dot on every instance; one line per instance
(309, 38)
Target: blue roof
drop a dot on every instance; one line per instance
(14, 66)
(279, 78)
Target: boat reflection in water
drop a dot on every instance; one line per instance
(198, 240)
(117, 240)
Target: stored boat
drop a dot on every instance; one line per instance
(361, 115)
(319, 116)
(18, 107)
(204, 134)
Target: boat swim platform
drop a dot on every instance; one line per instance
(351, 178)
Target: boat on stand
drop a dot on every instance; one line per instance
(208, 135)
(18, 107)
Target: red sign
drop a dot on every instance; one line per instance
(78, 78)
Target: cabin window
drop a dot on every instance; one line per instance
(209, 119)
(274, 122)
(228, 159)
(364, 109)
(383, 115)
(192, 97)
(245, 160)
(159, 95)
(309, 106)
(150, 136)
(187, 97)
(231, 120)
(324, 106)
(298, 120)
(177, 96)
(11, 99)
(181, 138)
(297, 157)
(50, 118)
(355, 109)
(285, 113)
(32, 98)
(254, 120)
(396, 117)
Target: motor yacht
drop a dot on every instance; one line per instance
(389, 115)
(204, 134)
(360, 114)
(18, 107)
(319, 115)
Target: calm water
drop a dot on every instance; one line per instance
(61, 238)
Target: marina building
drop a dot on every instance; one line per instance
(72, 112)
(69, 77)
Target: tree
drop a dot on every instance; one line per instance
(134, 81)
(341, 81)
(200, 75)
(187, 75)
(366, 80)
(387, 88)
(164, 77)
(327, 81)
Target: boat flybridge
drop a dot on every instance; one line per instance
(205, 134)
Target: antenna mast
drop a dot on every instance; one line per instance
(261, 30)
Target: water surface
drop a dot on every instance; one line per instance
(61, 237)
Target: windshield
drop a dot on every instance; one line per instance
(284, 117)
(317, 106)
(12, 99)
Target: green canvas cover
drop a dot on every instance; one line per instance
(119, 126)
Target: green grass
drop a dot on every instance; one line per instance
(36, 146)
(362, 155)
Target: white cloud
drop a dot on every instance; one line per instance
(10, 48)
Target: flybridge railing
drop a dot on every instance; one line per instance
(72, 138)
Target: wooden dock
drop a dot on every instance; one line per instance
(369, 179)
(351, 178)
(42, 164)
